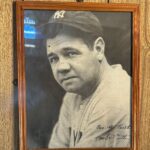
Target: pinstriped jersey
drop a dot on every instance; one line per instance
(102, 120)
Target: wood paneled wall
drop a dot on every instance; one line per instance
(6, 77)
(8, 128)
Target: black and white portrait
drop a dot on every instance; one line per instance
(78, 78)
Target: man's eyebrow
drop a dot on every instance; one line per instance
(70, 48)
(50, 54)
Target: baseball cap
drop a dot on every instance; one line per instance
(83, 20)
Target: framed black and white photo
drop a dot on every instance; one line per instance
(78, 75)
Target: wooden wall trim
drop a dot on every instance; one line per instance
(6, 76)
(145, 105)
(147, 23)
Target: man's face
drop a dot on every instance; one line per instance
(74, 65)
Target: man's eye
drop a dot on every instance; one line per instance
(71, 54)
(53, 60)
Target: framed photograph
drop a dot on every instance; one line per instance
(78, 75)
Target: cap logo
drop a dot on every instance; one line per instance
(59, 14)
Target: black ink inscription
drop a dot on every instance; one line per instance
(119, 126)
(113, 136)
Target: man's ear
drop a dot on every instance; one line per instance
(99, 48)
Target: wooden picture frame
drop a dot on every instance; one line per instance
(24, 70)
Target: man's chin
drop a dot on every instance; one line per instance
(71, 89)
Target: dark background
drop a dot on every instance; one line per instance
(44, 95)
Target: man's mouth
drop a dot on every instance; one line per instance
(67, 78)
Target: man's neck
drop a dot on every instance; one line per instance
(104, 67)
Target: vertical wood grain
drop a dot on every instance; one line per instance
(147, 22)
(145, 105)
(6, 77)
(143, 27)
(145, 75)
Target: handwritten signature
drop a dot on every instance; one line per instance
(113, 136)
(119, 126)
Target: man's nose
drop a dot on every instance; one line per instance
(63, 66)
